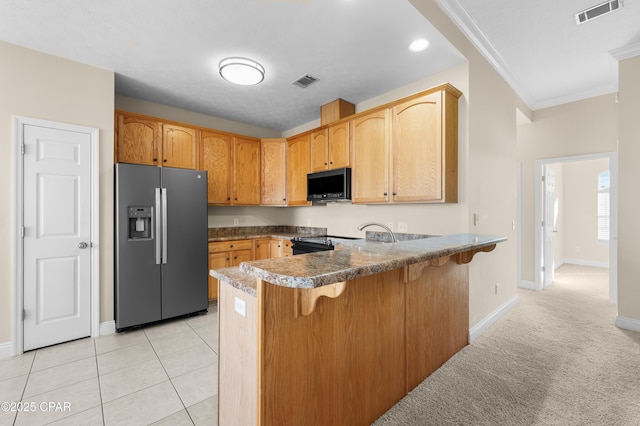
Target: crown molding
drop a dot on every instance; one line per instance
(626, 52)
(459, 15)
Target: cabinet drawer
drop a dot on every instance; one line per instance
(230, 245)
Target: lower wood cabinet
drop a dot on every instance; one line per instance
(281, 247)
(262, 249)
(224, 254)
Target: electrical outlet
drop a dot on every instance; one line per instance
(390, 225)
(241, 306)
(236, 221)
(497, 287)
(402, 226)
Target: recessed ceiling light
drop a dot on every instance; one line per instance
(241, 71)
(419, 45)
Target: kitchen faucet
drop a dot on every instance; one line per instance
(364, 225)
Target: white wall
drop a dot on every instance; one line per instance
(580, 201)
(629, 201)
(577, 128)
(42, 86)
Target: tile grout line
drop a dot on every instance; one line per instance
(95, 351)
(168, 377)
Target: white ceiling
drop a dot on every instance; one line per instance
(167, 51)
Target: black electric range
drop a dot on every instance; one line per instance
(312, 244)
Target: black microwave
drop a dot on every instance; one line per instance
(330, 185)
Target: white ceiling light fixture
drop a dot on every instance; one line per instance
(243, 71)
(419, 45)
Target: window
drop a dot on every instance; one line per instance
(603, 207)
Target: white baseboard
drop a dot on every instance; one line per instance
(584, 262)
(628, 323)
(477, 330)
(108, 327)
(529, 285)
(6, 350)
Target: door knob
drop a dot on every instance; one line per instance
(83, 245)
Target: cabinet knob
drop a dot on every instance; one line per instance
(164, 161)
(325, 164)
(385, 194)
(330, 162)
(155, 159)
(231, 246)
(228, 198)
(393, 193)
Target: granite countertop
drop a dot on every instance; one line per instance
(357, 258)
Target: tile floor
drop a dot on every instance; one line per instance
(164, 374)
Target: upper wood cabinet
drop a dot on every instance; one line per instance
(148, 141)
(319, 150)
(273, 173)
(330, 147)
(408, 152)
(370, 135)
(424, 148)
(180, 146)
(246, 171)
(138, 139)
(216, 158)
(339, 145)
(233, 168)
(298, 166)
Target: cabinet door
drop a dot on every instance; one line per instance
(298, 166)
(239, 256)
(217, 261)
(339, 146)
(179, 146)
(273, 181)
(216, 159)
(287, 250)
(246, 171)
(261, 248)
(276, 247)
(416, 148)
(370, 162)
(138, 140)
(319, 150)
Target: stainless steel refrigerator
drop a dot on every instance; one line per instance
(160, 243)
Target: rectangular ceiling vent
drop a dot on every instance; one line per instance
(305, 81)
(597, 11)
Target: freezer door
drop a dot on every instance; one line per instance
(184, 268)
(137, 276)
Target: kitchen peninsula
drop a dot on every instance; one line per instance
(338, 337)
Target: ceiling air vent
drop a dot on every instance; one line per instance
(596, 11)
(305, 81)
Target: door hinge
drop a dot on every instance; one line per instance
(542, 223)
(543, 178)
(22, 232)
(22, 149)
(24, 314)
(543, 269)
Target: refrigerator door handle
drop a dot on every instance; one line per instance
(164, 225)
(158, 235)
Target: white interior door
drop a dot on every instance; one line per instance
(57, 230)
(548, 263)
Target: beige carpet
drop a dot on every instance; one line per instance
(555, 359)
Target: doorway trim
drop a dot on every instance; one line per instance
(18, 302)
(613, 214)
